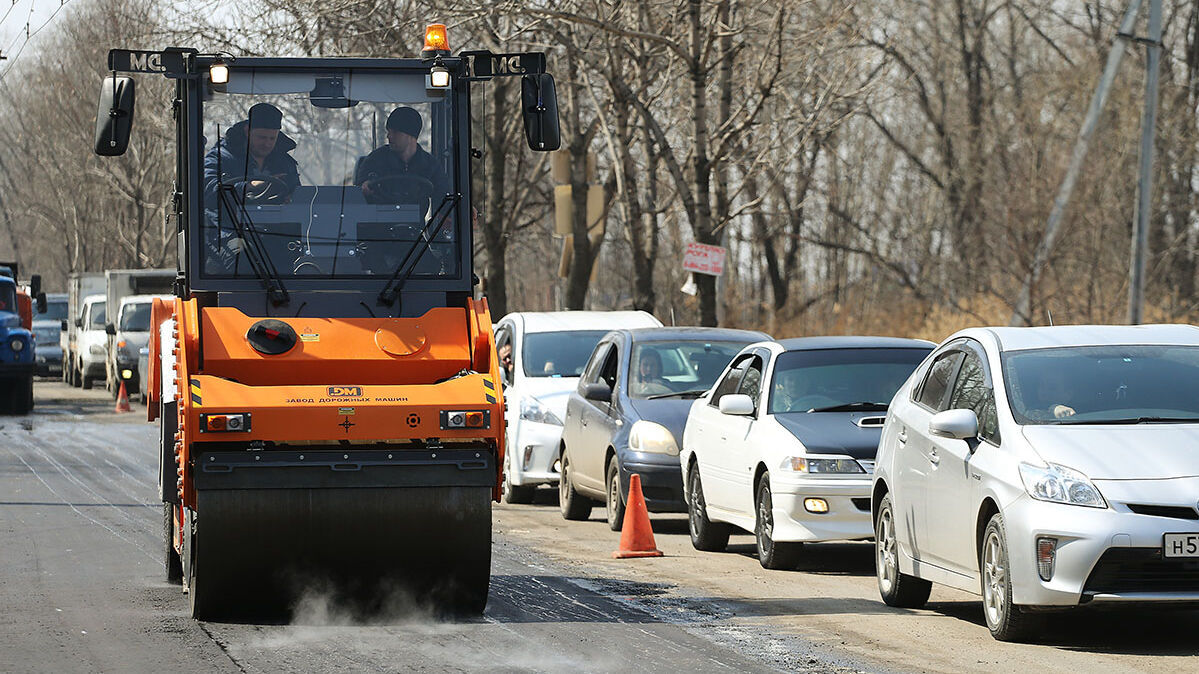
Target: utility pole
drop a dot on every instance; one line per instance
(1140, 231)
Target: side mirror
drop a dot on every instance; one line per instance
(35, 285)
(539, 103)
(64, 325)
(41, 303)
(598, 391)
(737, 404)
(114, 116)
(956, 424)
(110, 329)
(79, 323)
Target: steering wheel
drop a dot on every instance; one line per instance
(401, 188)
(275, 191)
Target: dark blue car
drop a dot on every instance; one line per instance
(628, 413)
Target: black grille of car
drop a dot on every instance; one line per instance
(862, 504)
(1177, 512)
(1123, 570)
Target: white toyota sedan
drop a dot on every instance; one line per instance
(783, 445)
(1044, 468)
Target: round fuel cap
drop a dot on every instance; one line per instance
(271, 337)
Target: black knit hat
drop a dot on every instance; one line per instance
(265, 116)
(405, 120)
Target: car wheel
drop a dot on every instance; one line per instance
(706, 535)
(513, 493)
(614, 504)
(573, 505)
(1006, 621)
(86, 382)
(897, 589)
(772, 554)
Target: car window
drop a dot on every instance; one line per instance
(936, 382)
(558, 354)
(595, 364)
(751, 381)
(732, 379)
(97, 318)
(972, 391)
(807, 380)
(135, 317)
(666, 367)
(607, 373)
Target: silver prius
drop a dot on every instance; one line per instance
(1043, 468)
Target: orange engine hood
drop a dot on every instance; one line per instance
(421, 350)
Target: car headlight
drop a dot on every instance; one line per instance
(98, 349)
(16, 344)
(646, 436)
(532, 409)
(1059, 484)
(809, 464)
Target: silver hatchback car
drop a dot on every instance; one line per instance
(1044, 468)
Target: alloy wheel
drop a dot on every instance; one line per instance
(994, 580)
(884, 543)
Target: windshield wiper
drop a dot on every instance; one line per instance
(262, 265)
(695, 393)
(1128, 421)
(396, 283)
(852, 407)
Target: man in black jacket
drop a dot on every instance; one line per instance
(401, 171)
(253, 158)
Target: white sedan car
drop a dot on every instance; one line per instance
(1044, 468)
(783, 445)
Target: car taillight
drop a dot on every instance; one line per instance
(225, 423)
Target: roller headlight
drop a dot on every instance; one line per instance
(1059, 484)
(16, 344)
(646, 436)
(822, 465)
(532, 409)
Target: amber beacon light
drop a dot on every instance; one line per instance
(436, 39)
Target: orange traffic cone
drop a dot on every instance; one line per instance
(636, 535)
(123, 399)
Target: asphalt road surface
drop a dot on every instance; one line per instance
(82, 589)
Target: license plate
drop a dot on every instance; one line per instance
(1180, 545)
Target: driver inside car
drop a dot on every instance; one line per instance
(402, 171)
(253, 157)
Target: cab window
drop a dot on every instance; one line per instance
(598, 358)
(731, 380)
(972, 391)
(751, 381)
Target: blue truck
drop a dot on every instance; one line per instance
(17, 345)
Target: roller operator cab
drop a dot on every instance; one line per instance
(17, 343)
(326, 377)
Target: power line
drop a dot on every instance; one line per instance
(29, 35)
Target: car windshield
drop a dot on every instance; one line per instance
(659, 369)
(136, 317)
(97, 318)
(56, 310)
(330, 174)
(45, 335)
(840, 379)
(559, 354)
(1103, 384)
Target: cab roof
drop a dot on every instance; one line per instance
(852, 342)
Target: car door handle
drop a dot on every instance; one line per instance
(934, 457)
(902, 437)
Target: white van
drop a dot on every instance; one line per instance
(92, 346)
(549, 351)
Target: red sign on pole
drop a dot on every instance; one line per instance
(704, 259)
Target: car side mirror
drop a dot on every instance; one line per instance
(35, 285)
(737, 404)
(539, 103)
(599, 392)
(79, 322)
(955, 424)
(64, 325)
(41, 302)
(110, 328)
(114, 116)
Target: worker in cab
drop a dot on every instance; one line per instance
(254, 158)
(402, 172)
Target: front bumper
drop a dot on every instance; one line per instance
(20, 370)
(848, 516)
(661, 484)
(1103, 555)
(48, 360)
(534, 448)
